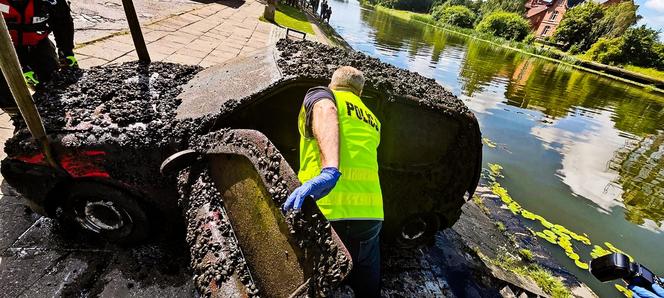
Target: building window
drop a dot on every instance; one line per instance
(554, 15)
(546, 30)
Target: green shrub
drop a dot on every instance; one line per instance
(659, 51)
(530, 39)
(574, 49)
(639, 46)
(607, 51)
(437, 12)
(507, 25)
(424, 18)
(457, 15)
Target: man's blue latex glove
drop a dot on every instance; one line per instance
(639, 292)
(317, 187)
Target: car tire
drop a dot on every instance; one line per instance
(104, 211)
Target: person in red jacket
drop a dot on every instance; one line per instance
(30, 22)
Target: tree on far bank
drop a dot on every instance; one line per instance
(616, 20)
(473, 5)
(489, 6)
(576, 28)
(507, 25)
(638, 46)
(456, 15)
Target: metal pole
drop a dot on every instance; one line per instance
(135, 28)
(11, 69)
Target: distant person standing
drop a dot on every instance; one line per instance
(323, 9)
(328, 14)
(315, 5)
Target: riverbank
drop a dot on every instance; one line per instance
(332, 37)
(641, 78)
(510, 246)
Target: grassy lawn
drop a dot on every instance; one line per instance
(406, 15)
(293, 18)
(651, 72)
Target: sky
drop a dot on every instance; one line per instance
(653, 14)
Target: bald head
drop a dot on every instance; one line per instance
(348, 77)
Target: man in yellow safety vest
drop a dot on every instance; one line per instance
(339, 138)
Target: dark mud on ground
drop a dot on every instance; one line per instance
(49, 260)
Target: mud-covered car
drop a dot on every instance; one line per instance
(111, 128)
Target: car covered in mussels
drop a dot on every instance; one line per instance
(112, 127)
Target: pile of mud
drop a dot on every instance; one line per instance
(129, 104)
(318, 61)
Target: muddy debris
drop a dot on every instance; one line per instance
(319, 62)
(130, 104)
(216, 255)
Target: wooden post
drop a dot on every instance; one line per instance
(135, 28)
(11, 69)
(270, 9)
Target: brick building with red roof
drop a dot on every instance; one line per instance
(545, 15)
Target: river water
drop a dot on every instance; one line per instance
(581, 150)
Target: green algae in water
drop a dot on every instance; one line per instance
(489, 143)
(494, 170)
(553, 233)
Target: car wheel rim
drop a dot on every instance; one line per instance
(102, 216)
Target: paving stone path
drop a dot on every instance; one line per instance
(206, 35)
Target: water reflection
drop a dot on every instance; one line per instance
(641, 168)
(585, 146)
(584, 117)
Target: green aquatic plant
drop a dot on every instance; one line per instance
(547, 282)
(501, 226)
(542, 277)
(491, 144)
(480, 203)
(553, 233)
(526, 254)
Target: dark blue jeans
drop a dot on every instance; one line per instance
(361, 238)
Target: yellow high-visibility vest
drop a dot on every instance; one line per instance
(357, 194)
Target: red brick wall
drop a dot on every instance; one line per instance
(540, 21)
(560, 6)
